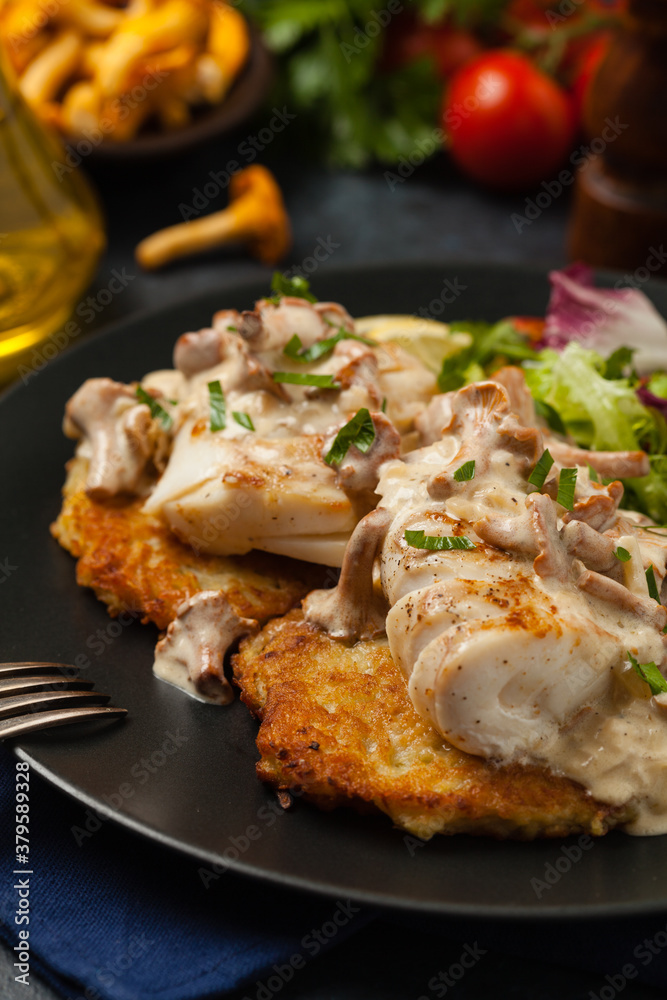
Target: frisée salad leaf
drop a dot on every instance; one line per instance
(605, 414)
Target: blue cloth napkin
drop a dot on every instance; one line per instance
(125, 919)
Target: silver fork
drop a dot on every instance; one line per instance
(37, 695)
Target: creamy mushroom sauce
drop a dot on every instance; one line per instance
(229, 491)
(520, 652)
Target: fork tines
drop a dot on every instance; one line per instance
(38, 695)
(27, 666)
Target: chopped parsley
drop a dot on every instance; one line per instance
(440, 543)
(157, 412)
(303, 378)
(650, 674)
(622, 554)
(217, 406)
(243, 419)
(295, 287)
(359, 431)
(541, 470)
(566, 484)
(295, 350)
(592, 474)
(652, 585)
(465, 472)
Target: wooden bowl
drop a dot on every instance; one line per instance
(243, 98)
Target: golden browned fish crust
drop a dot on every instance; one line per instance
(338, 724)
(133, 561)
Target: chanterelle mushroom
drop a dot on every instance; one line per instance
(120, 435)
(256, 215)
(353, 609)
(191, 654)
(271, 325)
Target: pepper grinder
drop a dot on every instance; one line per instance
(619, 215)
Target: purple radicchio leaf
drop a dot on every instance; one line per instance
(604, 319)
(649, 398)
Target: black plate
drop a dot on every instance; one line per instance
(202, 796)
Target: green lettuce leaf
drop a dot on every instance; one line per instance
(493, 345)
(604, 414)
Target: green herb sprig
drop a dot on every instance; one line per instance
(158, 412)
(465, 472)
(306, 378)
(539, 474)
(438, 543)
(296, 288)
(567, 482)
(217, 406)
(359, 431)
(243, 420)
(295, 350)
(649, 673)
(652, 585)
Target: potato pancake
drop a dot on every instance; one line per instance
(132, 560)
(337, 723)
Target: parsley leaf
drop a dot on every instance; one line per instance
(217, 406)
(622, 554)
(592, 474)
(439, 543)
(294, 348)
(652, 585)
(567, 481)
(304, 378)
(359, 431)
(347, 106)
(650, 674)
(541, 470)
(296, 287)
(465, 472)
(243, 419)
(157, 412)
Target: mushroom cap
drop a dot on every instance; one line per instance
(257, 204)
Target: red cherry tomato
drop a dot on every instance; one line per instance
(586, 69)
(409, 39)
(509, 125)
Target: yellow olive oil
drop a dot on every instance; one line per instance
(51, 233)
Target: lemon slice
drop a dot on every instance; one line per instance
(427, 339)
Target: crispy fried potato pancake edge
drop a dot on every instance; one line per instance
(337, 724)
(132, 561)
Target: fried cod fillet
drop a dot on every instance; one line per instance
(337, 723)
(133, 561)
